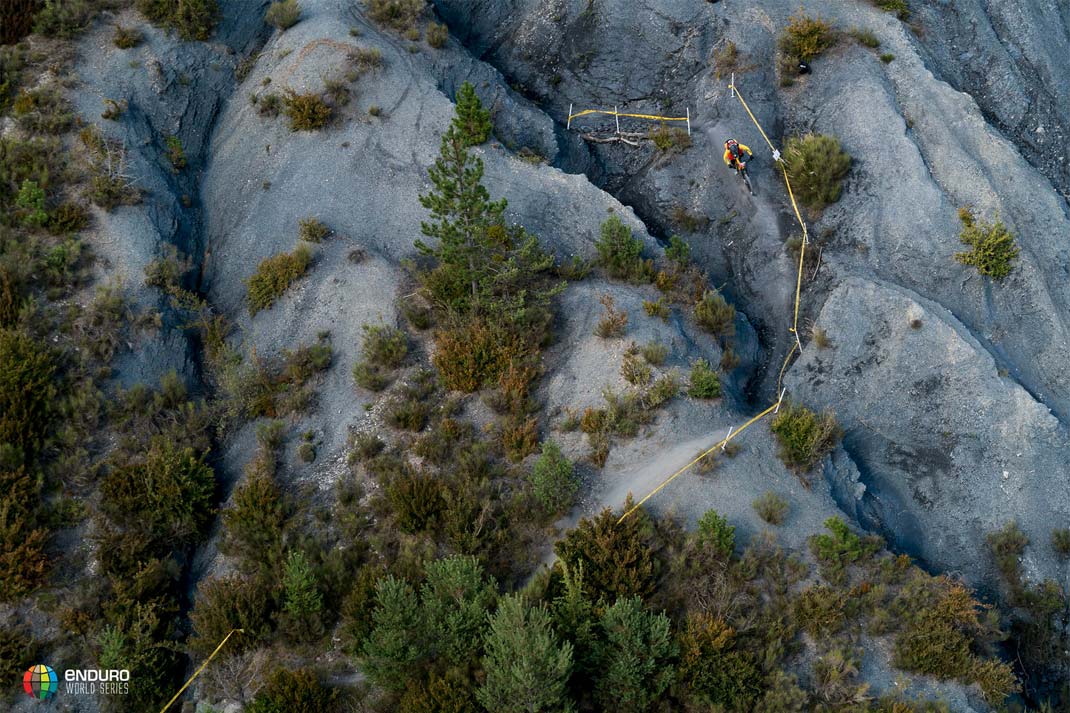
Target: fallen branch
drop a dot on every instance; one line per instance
(632, 139)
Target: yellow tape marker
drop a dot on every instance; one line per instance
(794, 320)
(586, 112)
(198, 671)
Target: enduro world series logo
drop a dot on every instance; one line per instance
(42, 682)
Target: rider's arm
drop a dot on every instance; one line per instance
(727, 157)
(746, 148)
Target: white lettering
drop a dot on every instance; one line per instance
(93, 674)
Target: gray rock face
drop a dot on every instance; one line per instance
(921, 149)
(960, 448)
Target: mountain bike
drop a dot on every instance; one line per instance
(746, 177)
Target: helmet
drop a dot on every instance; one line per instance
(732, 146)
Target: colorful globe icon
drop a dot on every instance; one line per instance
(40, 681)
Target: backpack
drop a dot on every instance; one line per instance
(733, 148)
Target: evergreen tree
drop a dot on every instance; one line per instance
(575, 621)
(302, 600)
(635, 657)
(481, 265)
(454, 601)
(471, 119)
(464, 221)
(394, 651)
(553, 479)
(527, 669)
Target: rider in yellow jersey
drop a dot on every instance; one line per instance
(733, 154)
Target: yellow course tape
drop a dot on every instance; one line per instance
(198, 671)
(585, 112)
(794, 329)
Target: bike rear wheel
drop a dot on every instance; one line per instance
(746, 179)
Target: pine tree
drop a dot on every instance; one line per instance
(301, 595)
(635, 657)
(465, 221)
(302, 600)
(471, 120)
(527, 669)
(574, 619)
(454, 602)
(394, 651)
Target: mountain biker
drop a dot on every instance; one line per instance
(733, 154)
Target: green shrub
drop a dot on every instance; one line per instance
(804, 437)
(899, 7)
(170, 493)
(887, 57)
(620, 252)
(473, 355)
(274, 275)
(836, 551)
(617, 560)
(312, 230)
(227, 603)
(298, 691)
(307, 112)
(1060, 542)
(283, 14)
(68, 218)
(553, 479)
(1007, 546)
(669, 140)
(715, 315)
(416, 501)
(659, 308)
(771, 507)
(31, 202)
(519, 437)
(191, 19)
(715, 532)
(654, 353)
(614, 322)
(705, 383)
(396, 14)
(28, 392)
(385, 346)
(941, 626)
(371, 376)
(64, 19)
(18, 651)
(805, 38)
(992, 248)
(44, 110)
(866, 38)
(11, 298)
(408, 414)
(367, 445)
(301, 364)
(126, 37)
(253, 525)
(817, 165)
(175, 153)
(437, 35)
(634, 369)
(716, 671)
(269, 104)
